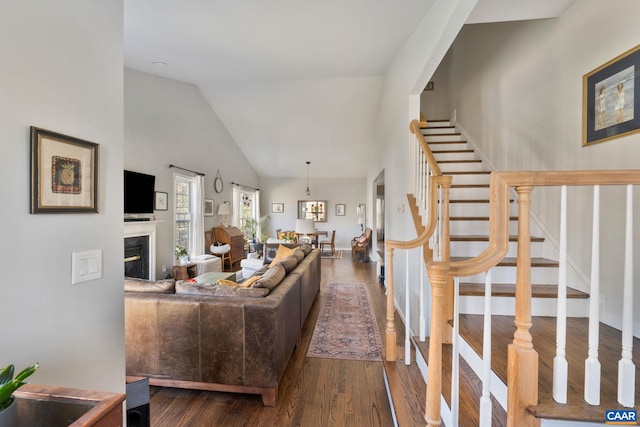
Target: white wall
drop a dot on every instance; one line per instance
(435, 104)
(170, 122)
(400, 103)
(62, 70)
(517, 88)
(349, 191)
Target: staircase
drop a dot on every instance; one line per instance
(469, 236)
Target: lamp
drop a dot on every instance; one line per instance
(361, 223)
(224, 209)
(305, 227)
(362, 215)
(308, 192)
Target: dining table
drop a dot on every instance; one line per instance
(313, 237)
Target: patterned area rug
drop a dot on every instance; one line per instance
(327, 255)
(346, 327)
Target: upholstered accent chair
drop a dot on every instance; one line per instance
(360, 246)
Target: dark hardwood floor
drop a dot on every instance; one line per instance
(313, 391)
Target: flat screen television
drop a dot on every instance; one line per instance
(139, 192)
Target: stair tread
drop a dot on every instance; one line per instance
(445, 142)
(460, 161)
(451, 151)
(511, 262)
(543, 333)
(467, 173)
(476, 218)
(508, 290)
(485, 238)
(473, 201)
(470, 186)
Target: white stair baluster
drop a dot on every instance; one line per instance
(560, 367)
(626, 368)
(592, 364)
(485, 399)
(455, 356)
(423, 324)
(407, 311)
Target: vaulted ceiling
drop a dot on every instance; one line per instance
(291, 80)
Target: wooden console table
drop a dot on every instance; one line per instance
(61, 406)
(186, 271)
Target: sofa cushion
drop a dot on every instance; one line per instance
(306, 248)
(298, 254)
(194, 288)
(231, 291)
(289, 263)
(245, 284)
(271, 278)
(283, 252)
(142, 285)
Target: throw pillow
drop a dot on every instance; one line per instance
(306, 248)
(282, 253)
(271, 278)
(247, 283)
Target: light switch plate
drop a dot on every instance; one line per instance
(86, 266)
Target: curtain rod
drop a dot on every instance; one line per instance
(245, 186)
(188, 170)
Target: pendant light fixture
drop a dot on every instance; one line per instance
(308, 192)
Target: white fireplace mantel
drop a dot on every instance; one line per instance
(144, 228)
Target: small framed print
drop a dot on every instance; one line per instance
(340, 209)
(208, 207)
(64, 173)
(277, 207)
(161, 201)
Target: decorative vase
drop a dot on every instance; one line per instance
(9, 415)
(184, 259)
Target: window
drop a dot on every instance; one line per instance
(246, 210)
(183, 220)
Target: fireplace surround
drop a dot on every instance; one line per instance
(141, 237)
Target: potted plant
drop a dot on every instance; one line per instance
(9, 384)
(182, 255)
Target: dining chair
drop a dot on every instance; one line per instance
(330, 243)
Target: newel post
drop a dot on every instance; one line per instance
(390, 330)
(522, 362)
(438, 274)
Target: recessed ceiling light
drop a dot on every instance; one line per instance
(159, 64)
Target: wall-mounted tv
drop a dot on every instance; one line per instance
(139, 192)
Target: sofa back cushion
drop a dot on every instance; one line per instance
(271, 278)
(142, 285)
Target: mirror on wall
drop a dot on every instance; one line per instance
(313, 209)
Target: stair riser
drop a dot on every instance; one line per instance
(438, 123)
(505, 306)
(539, 275)
(477, 228)
(469, 193)
(439, 130)
(443, 138)
(471, 249)
(447, 146)
(466, 179)
(461, 167)
(454, 156)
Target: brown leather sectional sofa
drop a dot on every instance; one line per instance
(234, 343)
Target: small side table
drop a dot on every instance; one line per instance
(186, 271)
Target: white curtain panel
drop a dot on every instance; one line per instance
(197, 239)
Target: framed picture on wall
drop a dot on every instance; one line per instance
(611, 99)
(64, 173)
(161, 201)
(208, 207)
(340, 209)
(277, 207)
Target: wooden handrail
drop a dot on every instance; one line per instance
(414, 127)
(523, 359)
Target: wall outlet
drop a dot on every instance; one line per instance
(86, 266)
